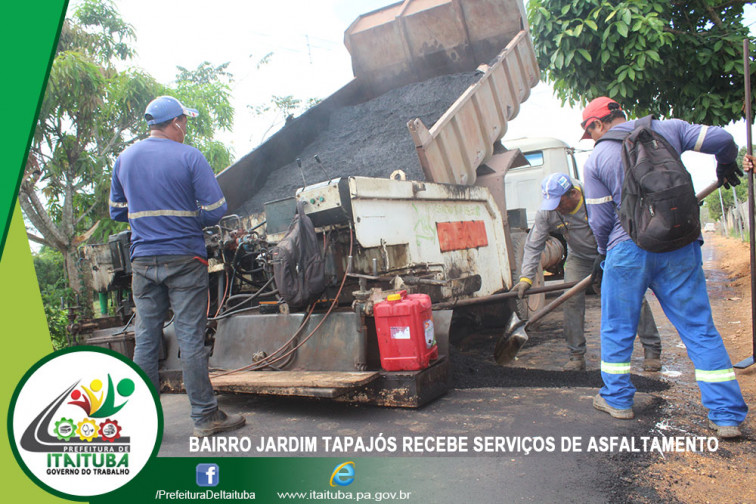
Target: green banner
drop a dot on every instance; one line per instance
(278, 479)
(28, 38)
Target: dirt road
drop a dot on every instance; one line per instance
(729, 474)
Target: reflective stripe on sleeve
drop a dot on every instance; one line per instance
(164, 213)
(701, 137)
(719, 375)
(116, 204)
(215, 205)
(598, 201)
(525, 279)
(615, 367)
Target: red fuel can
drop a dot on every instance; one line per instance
(404, 325)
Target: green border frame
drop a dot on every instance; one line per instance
(13, 195)
(44, 360)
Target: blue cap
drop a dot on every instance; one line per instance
(554, 187)
(165, 108)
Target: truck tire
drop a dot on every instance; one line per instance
(529, 304)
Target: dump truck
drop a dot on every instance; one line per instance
(436, 224)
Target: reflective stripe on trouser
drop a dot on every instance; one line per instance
(181, 283)
(677, 279)
(575, 269)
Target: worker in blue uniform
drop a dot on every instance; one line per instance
(167, 193)
(675, 277)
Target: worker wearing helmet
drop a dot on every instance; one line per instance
(563, 211)
(167, 193)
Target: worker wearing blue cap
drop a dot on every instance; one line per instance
(167, 192)
(563, 211)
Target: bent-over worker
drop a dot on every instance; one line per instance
(563, 211)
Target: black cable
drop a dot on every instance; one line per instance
(249, 298)
(123, 330)
(228, 314)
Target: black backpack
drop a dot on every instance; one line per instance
(659, 209)
(298, 266)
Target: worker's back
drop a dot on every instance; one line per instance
(164, 183)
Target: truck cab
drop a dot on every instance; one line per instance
(545, 156)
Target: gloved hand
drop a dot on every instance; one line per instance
(521, 288)
(728, 173)
(598, 273)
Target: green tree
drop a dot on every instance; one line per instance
(208, 89)
(56, 295)
(671, 58)
(91, 111)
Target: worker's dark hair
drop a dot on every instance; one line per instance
(614, 112)
(164, 124)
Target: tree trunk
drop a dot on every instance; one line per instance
(76, 282)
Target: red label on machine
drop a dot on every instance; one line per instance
(461, 235)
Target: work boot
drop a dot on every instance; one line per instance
(576, 363)
(651, 361)
(623, 414)
(725, 431)
(217, 422)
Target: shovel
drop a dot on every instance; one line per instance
(510, 343)
(749, 361)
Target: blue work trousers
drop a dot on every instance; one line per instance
(677, 279)
(575, 269)
(178, 282)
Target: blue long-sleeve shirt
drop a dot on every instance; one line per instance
(604, 173)
(167, 193)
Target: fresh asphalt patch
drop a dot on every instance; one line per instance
(472, 372)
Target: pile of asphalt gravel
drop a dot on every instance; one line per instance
(369, 139)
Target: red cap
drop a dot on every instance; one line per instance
(596, 110)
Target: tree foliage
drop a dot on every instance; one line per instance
(675, 58)
(56, 295)
(93, 108)
(89, 113)
(208, 89)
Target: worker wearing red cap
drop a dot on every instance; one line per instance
(676, 277)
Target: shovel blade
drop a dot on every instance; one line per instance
(745, 363)
(509, 344)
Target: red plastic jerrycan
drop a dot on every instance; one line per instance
(404, 325)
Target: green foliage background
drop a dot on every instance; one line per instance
(678, 59)
(92, 110)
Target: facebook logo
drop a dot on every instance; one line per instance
(207, 475)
